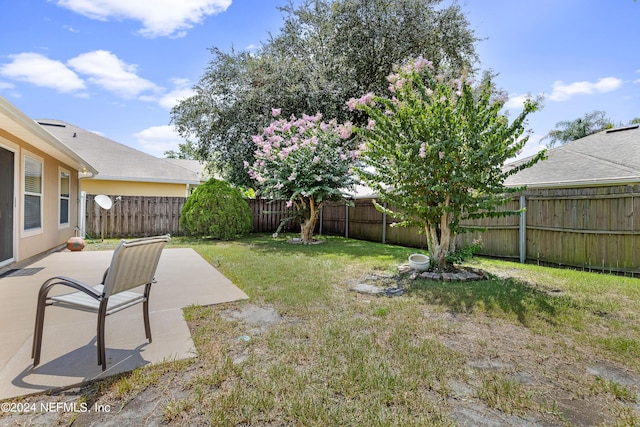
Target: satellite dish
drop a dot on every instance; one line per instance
(104, 201)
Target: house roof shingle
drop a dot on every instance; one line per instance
(115, 161)
(607, 157)
(15, 122)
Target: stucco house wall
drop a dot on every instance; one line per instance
(21, 141)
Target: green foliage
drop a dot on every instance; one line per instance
(570, 130)
(326, 52)
(435, 150)
(216, 210)
(187, 151)
(464, 254)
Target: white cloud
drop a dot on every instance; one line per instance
(5, 85)
(158, 139)
(41, 71)
(182, 90)
(159, 18)
(564, 92)
(516, 101)
(109, 72)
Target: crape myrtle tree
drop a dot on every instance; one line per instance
(434, 151)
(326, 52)
(305, 161)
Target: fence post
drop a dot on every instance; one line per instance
(321, 210)
(82, 215)
(384, 224)
(346, 221)
(523, 229)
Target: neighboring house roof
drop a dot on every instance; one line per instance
(608, 157)
(197, 166)
(115, 161)
(17, 123)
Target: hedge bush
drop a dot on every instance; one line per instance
(216, 210)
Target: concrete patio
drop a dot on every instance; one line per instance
(69, 348)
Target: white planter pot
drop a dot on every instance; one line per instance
(419, 262)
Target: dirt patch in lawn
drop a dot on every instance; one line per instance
(510, 375)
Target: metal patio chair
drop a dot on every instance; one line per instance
(133, 264)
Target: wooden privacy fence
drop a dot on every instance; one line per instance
(134, 216)
(592, 228)
(267, 215)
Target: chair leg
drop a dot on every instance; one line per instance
(145, 309)
(102, 314)
(39, 325)
(37, 333)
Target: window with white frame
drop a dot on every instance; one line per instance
(64, 186)
(32, 193)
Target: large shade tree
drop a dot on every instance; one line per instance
(326, 52)
(435, 148)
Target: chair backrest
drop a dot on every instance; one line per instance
(133, 264)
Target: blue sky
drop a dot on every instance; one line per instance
(117, 67)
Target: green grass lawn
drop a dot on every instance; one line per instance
(531, 343)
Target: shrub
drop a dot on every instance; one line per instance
(216, 210)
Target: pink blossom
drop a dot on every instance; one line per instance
(318, 178)
(275, 140)
(422, 63)
(366, 99)
(423, 150)
(441, 155)
(271, 129)
(246, 164)
(371, 124)
(316, 159)
(399, 84)
(278, 186)
(345, 130)
(293, 176)
(343, 156)
(289, 203)
(352, 104)
(275, 112)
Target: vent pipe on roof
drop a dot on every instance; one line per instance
(74, 134)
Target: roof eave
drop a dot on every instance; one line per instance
(27, 129)
(152, 180)
(595, 182)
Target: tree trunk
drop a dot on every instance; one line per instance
(309, 225)
(439, 239)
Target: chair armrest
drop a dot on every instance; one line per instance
(72, 283)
